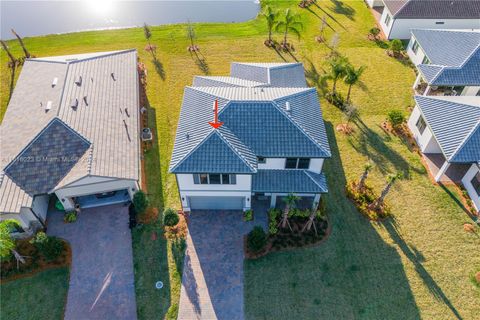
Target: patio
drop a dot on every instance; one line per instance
(454, 173)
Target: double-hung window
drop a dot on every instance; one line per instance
(214, 178)
(421, 125)
(297, 163)
(415, 46)
(387, 20)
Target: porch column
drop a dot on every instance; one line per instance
(442, 170)
(417, 81)
(427, 90)
(273, 200)
(316, 201)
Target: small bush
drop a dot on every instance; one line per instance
(396, 118)
(248, 215)
(170, 217)
(396, 46)
(70, 217)
(256, 240)
(272, 221)
(375, 31)
(140, 201)
(50, 247)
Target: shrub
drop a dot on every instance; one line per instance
(272, 221)
(50, 247)
(248, 215)
(170, 217)
(336, 99)
(396, 118)
(375, 31)
(396, 46)
(70, 217)
(256, 239)
(140, 201)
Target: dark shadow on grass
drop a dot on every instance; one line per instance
(381, 43)
(279, 53)
(455, 198)
(330, 16)
(416, 258)
(200, 62)
(345, 274)
(315, 78)
(372, 145)
(315, 14)
(344, 9)
(159, 68)
(178, 253)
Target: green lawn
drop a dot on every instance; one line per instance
(417, 265)
(42, 296)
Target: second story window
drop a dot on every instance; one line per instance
(214, 178)
(421, 125)
(387, 20)
(297, 163)
(415, 46)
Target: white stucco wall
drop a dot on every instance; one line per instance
(425, 141)
(316, 164)
(400, 28)
(90, 180)
(470, 91)
(86, 189)
(385, 28)
(416, 58)
(466, 181)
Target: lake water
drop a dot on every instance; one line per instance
(33, 18)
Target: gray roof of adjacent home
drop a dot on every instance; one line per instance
(256, 123)
(466, 74)
(106, 116)
(434, 9)
(285, 181)
(455, 124)
(448, 47)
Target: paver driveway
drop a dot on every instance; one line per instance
(101, 276)
(212, 282)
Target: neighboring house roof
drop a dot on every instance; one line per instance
(47, 159)
(434, 9)
(256, 119)
(286, 181)
(106, 115)
(455, 124)
(447, 47)
(274, 74)
(468, 74)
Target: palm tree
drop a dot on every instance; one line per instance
(352, 76)
(337, 69)
(391, 178)
(191, 36)
(271, 19)
(25, 51)
(311, 218)
(366, 170)
(292, 24)
(12, 65)
(7, 243)
(148, 35)
(290, 202)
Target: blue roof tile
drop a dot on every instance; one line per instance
(287, 181)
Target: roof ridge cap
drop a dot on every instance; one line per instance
(192, 150)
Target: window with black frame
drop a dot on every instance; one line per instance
(421, 125)
(214, 178)
(476, 183)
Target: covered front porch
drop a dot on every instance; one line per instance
(443, 171)
(422, 88)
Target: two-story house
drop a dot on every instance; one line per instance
(244, 136)
(447, 61)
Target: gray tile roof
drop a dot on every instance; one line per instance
(114, 150)
(286, 181)
(47, 159)
(455, 123)
(447, 47)
(467, 74)
(434, 9)
(275, 74)
(219, 81)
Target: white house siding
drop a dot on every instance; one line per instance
(425, 141)
(401, 27)
(89, 180)
(375, 3)
(385, 28)
(466, 181)
(65, 194)
(470, 91)
(416, 58)
(316, 164)
(188, 189)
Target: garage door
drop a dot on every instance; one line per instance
(216, 203)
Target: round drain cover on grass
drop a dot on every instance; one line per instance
(159, 285)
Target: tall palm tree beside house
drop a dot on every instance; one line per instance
(391, 178)
(290, 203)
(338, 69)
(148, 35)
(270, 17)
(291, 23)
(191, 35)
(12, 64)
(352, 77)
(20, 40)
(366, 170)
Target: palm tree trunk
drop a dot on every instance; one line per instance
(349, 91)
(270, 35)
(285, 36)
(361, 183)
(284, 222)
(334, 89)
(310, 222)
(25, 51)
(377, 203)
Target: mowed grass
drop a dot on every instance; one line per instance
(416, 265)
(42, 296)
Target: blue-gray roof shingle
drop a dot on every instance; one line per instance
(286, 181)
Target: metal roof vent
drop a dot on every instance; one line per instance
(79, 81)
(113, 76)
(48, 106)
(54, 82)
(287, 106)
(187, 136)
(74, 103)
(85, 100)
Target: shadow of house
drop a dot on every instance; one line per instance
(416, 259)
(355, 274)
(372, 145)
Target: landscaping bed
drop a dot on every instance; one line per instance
(363, 199)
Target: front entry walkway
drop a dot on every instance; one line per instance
(212, 282)
(101, 275)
